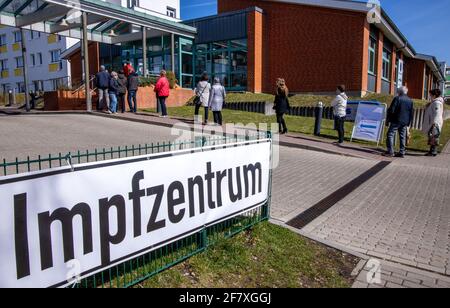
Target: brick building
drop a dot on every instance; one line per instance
(316, 45)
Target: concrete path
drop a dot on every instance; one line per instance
(400, 216)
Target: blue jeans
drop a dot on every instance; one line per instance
(113, 102)
(132, 100)
(393, 128)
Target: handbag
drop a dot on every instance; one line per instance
(197, 100)
(433, 136)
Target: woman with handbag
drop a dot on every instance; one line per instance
(434, 121)
(217, 101)
(281, 104)
(202, 93)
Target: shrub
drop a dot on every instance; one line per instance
(172, 79)
(147, 81)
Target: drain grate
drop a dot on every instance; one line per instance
(322, 206)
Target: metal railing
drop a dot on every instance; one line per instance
(137, 270)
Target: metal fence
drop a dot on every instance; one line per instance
(137, 270)
(307, 111)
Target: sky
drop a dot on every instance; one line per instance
(425, 23)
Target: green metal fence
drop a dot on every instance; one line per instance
(137, 270)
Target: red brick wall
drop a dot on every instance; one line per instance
(414, 77)
(255, 48)
(68, 100)
(313, 48)
(76, 65)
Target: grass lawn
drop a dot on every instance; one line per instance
(305, 125)
(311, 100)
(265, 256)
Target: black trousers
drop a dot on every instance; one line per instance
(197, 111)
(217, 117)
(281, 123)
(121, 101)
(339, 123)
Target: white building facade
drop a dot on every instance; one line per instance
(167, 9)
(46, 71)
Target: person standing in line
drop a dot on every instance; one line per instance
(281, 104)
(102, 83)
(122, 91)
(113, 92)
(127, 69)
(434, 121)
(133, 86)
(202, 93)
(162, 90)
(217, 100)
(399, 117)
(339, 105)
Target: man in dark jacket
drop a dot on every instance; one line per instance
(399, 117)
(123, 83)
(102, 83)
(133, 85)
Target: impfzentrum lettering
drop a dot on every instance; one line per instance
(180, 196)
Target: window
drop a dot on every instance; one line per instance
(19, 62)
(32, 59)
(171, 12)
(35, 34)
(133, 3)
(39, 58)
(226, 60)
(386, 65)
(55, 56)
(3, 65)
(20, 87)
(2, 39)
(372, 56)
(17, 36)
(38, 85)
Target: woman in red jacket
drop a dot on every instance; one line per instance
(162, 90)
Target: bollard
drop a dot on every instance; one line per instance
(318, 115)
(11, 98)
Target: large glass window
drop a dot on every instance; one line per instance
(372, 55)
(387, 65)
(226, 60)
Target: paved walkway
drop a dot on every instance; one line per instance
(400, 216)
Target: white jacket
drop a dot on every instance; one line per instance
(217, 97)
(203, 89)
(340, 105)
(434, 114)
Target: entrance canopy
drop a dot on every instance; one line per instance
(88, 20)
(107, 23)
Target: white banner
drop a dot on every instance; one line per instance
(62, 223)
(369, 122)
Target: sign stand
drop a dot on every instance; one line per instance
(370, 122)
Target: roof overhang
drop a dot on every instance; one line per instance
(433, 64)
(48, 16)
